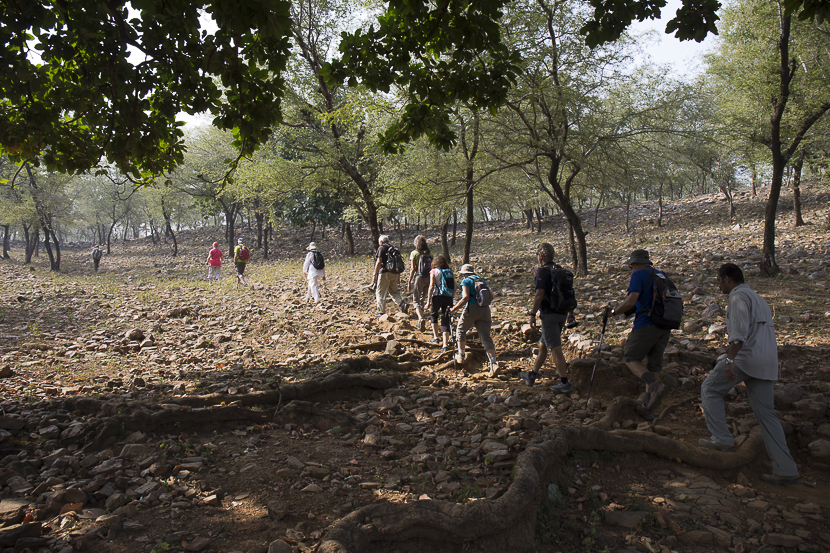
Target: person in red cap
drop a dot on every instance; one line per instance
(214, 262)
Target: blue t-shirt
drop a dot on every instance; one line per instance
(641, 282)
(469, 283)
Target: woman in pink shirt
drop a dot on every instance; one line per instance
(214, 262)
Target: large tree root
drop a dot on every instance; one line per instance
(507, 523)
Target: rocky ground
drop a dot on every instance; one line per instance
(144, 410)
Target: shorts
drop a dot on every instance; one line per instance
(441, 306)
(240, 268)
(474, 314)
(551, 327)
(213, 272)
(649, 343)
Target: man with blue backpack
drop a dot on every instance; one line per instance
(475, 304)
(659, 309)
(554, 300)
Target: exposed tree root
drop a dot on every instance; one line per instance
(507, 523)
(322, 418)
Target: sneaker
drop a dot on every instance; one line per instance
(529, 377)
(561, 387)
(654, 398)
(494, 368)
(435, 340)
(404, 307)
(645, 413)
(709, 443)
(444, 349)
(421, 324)
(379, 315)
(776, 480)
(459, 358)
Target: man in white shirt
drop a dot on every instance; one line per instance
(752, 358)
(312, 273)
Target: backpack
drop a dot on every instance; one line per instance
(483, 295)
(425, 265)
(446, 284)
(317, 260)
(244, 254)
(97, 253)
(561, 298)
(394, 261)
(666, 302)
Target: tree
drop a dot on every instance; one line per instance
(764, 55)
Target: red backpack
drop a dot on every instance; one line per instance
(244, 254)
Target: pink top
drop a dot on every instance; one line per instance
(215, 258)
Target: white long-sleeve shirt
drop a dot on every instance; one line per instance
(308, 268)
(749, 320)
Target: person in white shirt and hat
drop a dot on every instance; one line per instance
(314, 270)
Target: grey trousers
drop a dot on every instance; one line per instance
(760, 394)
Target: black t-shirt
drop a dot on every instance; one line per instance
(382, 251)
(544, 282)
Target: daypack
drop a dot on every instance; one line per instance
(317, 260)
(424, 265)
(446, 284)
(97, 253)
(666, 302)
(394, 261)
(244, 254)
(561, 297)
(483, 295)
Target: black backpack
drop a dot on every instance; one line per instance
(424, 265)
(561, 298)
(666, 302)
(97, 253)
(317, 260)
(394, 261)
(483, 295)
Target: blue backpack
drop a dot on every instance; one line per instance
(446, 284)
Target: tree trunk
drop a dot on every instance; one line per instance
(260, 218)
(799, 164)
(6, 228)
(538, 220)
(168, 229)
(660, 206)
(45, 217)
(350, 239)
(596, 210)
(445, 247)
(627, 211)
(313, 229)
(468, 240)
(529, 219)
(265, 240)
(572, 244)
(454, 226)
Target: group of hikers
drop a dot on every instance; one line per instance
(241, 255)
(653, 300)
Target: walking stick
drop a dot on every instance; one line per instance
(452, 339)
(599, 350)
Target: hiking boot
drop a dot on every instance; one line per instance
(561, 387)
(709, 443)
(645, 413)
(421, 324)
(529, 377)
(404, 307)
(654, 398)
(435, 340)
(444, 349)
(776, 480)
(572, 324)
(379, 315)
(494, 368)
(459, 358)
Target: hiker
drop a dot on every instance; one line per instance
(420, 261)
(97, 254)
(551, 321)
(241, 255)
(474, 314)
(386, 280)
(439, 299)
(646, 340)
(314, 269)
(752, 358)
(214, 262)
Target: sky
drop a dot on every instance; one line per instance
(686, 58)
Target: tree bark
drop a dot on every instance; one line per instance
(6, 228)
(445, 247)
(350, 239)
(168, 228)
(454, 226)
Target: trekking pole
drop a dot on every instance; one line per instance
(452, 339)
(599, 350)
